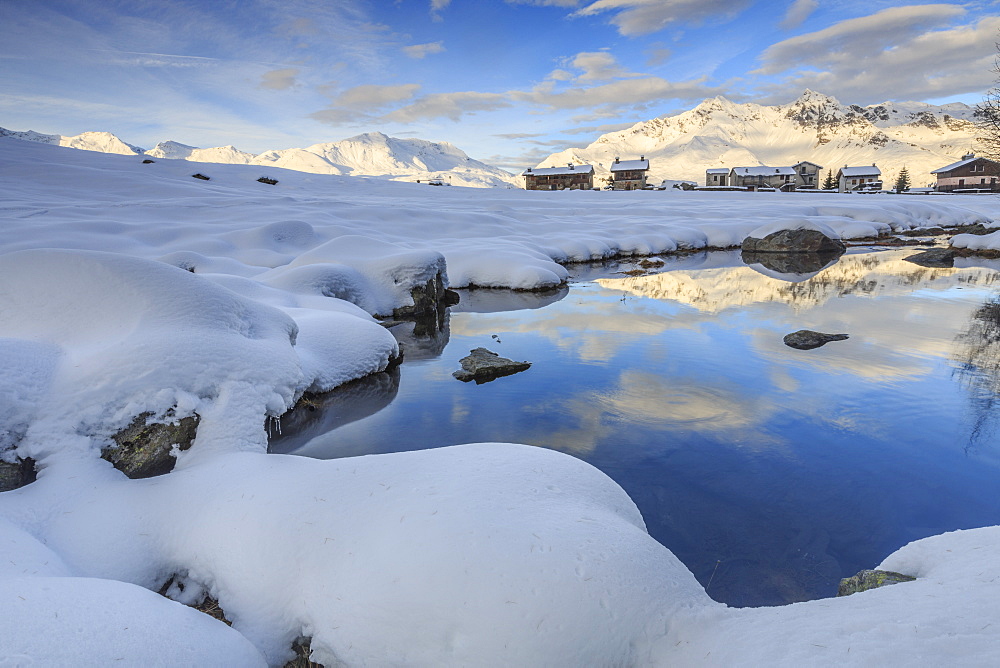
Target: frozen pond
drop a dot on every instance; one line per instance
(770, 472)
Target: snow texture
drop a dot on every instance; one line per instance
(128, 288)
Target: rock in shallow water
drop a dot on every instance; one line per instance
(794, 241)
(868, 579)
(484, 365)
(806, 339)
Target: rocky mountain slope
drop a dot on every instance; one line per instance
(373, 154)
(815, 127)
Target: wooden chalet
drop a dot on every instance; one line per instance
(867, 178)
(571, 177)
(970, 174)
(763, 177)
(629, 174)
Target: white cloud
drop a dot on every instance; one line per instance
(798, 12)
(447, 105)
(371, 96)
(599, 66)
(420, 50)
(895, 50)
(617, 94)
(641, 17)
(362, 103)
(279, 79)
(855, 39)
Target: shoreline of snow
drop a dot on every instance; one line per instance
(127, 288)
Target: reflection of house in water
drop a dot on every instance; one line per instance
(713, 290)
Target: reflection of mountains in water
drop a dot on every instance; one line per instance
(869, 274)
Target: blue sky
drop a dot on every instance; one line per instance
(509, 81)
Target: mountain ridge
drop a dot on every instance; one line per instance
(815, 127)
(371, 154)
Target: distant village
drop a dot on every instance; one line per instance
(968, 175)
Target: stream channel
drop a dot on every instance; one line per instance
(770, 472)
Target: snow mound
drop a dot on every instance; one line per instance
(91, 622)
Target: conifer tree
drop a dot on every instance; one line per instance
(902, 181)
(829, 183)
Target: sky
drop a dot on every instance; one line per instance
(507, 81)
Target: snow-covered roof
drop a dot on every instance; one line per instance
(559, 171)
(764, 170)
(717, 170)
(629, 165)
(806, 162)
(866, 170)
(956, 165)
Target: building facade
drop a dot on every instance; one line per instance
(629, 174)
(970, 174)
(756, 178)
(807, 174)
(571, 177)
(867, 178)
(717, 176)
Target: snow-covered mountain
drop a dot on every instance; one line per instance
(372, 154)
(815, 127)
(103, 142)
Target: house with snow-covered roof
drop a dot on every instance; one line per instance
(866, 178)
(717, 176)
(970, 174)
(629, 174)
(762, 176)
(571, 177)
(806, 174)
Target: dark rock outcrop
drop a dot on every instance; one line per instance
(794, 241)
(806, 339)
(270, 182)
(870, 579)
(142, 449)
(201, 176)
(16, 474)
(484, 365)
(427, 298)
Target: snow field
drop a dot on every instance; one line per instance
(127, 288)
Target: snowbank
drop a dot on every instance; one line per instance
(128, 288)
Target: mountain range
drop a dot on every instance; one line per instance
(716, 133)
(815, 127)
(372, 154)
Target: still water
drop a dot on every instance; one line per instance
(770, 472)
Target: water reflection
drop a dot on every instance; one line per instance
(791, 267)
(978, 355)
(777, 470)
(322, 413)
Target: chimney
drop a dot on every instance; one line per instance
(969, 156)
(642, 157)
(571, 165)
(529, 169)
(616, 160)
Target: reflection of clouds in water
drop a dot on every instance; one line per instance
(782, 380)
(645, 400)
